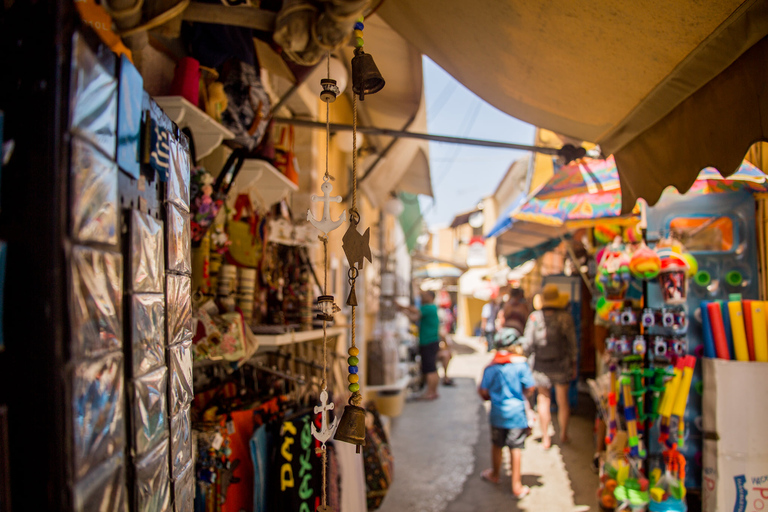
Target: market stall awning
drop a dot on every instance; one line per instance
(668, 87)
(411, 220)
(437, 270)
(505, 219)
(523, 235)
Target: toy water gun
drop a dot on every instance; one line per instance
(676, 423)
(612, 425)
(630, 415)
(656, 376)
(665, 409)
(638, 392)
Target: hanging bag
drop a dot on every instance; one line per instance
(285, 157)
(248, 106)
(379, 461)
(245, 249)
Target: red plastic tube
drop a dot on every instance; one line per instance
(718, 330)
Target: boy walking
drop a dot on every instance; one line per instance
(507, 380)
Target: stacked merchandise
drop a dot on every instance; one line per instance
(649, 376)
(147, 373)
(735, 329)
(126, 449)
(95, 285)
(179, 321)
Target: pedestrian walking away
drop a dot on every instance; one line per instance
(506, 382)
(550, 343)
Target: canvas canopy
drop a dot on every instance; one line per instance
(667, 87)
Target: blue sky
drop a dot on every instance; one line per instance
(462, 175)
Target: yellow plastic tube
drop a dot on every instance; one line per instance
(759, 327)
(668, 400)
(678, 409)
(738, 331)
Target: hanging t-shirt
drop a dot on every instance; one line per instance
(296, 470)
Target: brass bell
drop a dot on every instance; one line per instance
(366, 78)
(351, 427)
(352, 299)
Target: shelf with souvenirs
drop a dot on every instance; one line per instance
(208, 133)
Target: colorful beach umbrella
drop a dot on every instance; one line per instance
(583, 176)
(550, 208)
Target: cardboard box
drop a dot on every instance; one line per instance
(735, 421)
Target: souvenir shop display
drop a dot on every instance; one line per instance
(267, 424)
(647, 387)
(201, 356)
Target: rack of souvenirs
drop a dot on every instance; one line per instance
(252, 432)
(643, 396)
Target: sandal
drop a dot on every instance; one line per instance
(522, 494)
(448, 382)
(487, 476)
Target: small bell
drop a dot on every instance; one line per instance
(352, 426)
(352, 299)
(366, 78)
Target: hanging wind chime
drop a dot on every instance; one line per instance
(366, 79)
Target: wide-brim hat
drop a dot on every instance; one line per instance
(552, 298)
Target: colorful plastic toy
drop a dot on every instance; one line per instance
(614, 275)
(633, 234)
(645, 263)
(630, 416)
(606, 233)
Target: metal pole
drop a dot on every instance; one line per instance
(370, 130)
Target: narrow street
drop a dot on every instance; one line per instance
(442, 446)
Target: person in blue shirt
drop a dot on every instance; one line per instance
(507, 380)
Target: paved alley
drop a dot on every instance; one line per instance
(442, 446)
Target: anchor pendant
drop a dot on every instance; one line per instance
(325, 224)
(326, 431)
